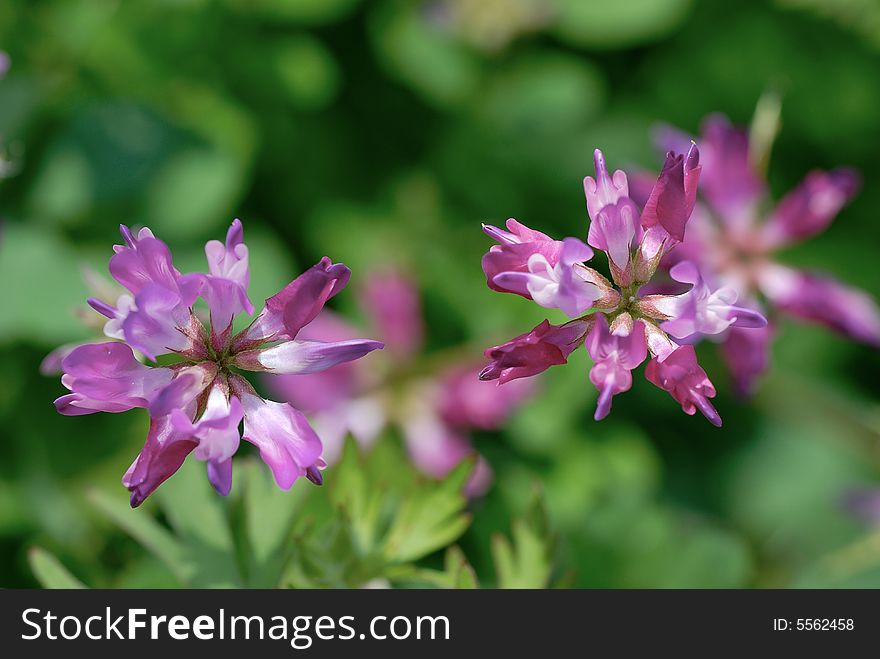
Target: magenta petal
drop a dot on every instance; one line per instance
(604, 190)
(672, 200)
(730, 182)
(188, 384)
(517, 232)
(220, 475)
(810, 208)
(297, 304)
(286, 441)
(514, 258)
(162, 455)
(142, 261)
(106, 377)
(303, 357)
(614, 357)
(155, 324)
(747, 354)
(686, 382)
(850, 311)
(535, 351)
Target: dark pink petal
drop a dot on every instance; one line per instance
(810, 208)
(297, 304)
(850, 311)
(217, 434)
(535, 351)
(106, 377)
(392, 303)
(225, 287)
(604, 190)
(514, 258)
(614, 357)
(162, 455)
(286, 441)
(686, 382)
(516, 233)
(672, 200)
(730, 182)
(747, 354)
(156, 323)
(187, 385)
(143, 260)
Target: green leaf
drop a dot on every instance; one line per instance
(525, 562)
(602, 24)
(269, 516)
(198, 516)
(434, 64)
(429, 518)
(39, 307)
(50, 572)
(147, 531)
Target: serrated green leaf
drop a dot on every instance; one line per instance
(50, 572)
(430, 518)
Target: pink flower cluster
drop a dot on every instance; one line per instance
(736, 231)
(618, 323)
(197, 402)
(436, 408)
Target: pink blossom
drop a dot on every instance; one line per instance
(197, 404)
(621, 326)
(734, 241)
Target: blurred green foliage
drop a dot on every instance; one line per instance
(382, 133)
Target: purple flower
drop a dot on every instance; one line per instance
(733, 241)
(620, 326)
(197, 404)
(686, 382)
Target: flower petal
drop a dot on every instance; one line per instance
(286, 441)
(303, 357)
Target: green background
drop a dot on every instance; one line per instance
(380, 134)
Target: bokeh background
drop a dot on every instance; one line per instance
(381, 133)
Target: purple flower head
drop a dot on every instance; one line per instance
(5, 63)
(734, 243)
(621, 325)
(686, 382)
(197, 404)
